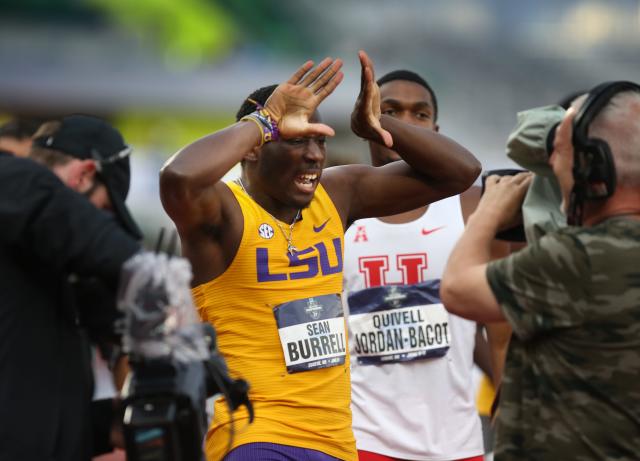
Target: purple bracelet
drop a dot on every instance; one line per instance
(270, 130)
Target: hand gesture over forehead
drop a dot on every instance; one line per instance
(365, 118)
(293, 102)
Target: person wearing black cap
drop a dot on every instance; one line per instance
(91, 157)
(49, 232)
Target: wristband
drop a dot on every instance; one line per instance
(268, 127)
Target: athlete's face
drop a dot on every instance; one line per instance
(407, 101)
(290, 169)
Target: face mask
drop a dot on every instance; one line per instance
(527, 143)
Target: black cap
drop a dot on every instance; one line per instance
(86, 137)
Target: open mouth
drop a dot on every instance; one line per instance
(307, 182)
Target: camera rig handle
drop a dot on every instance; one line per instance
(235, 391)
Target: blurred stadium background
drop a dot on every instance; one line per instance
(166, 72)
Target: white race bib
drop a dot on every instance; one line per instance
(312, 333)
(398, 323)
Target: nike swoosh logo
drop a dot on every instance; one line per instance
(431, 231)
(321, 226)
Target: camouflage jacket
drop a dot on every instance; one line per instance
(571, 388)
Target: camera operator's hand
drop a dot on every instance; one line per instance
(501, 202)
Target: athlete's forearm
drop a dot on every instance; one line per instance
(433, 155)
(205, 161)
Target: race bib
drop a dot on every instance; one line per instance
(398, 323)
(312, 333)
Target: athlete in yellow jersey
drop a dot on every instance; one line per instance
(267, 251)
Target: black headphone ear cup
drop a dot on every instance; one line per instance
(599, 147)
(594, 170)
(593, 161)
(602, 171)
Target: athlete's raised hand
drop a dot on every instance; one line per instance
(293, 102)
(365, 118)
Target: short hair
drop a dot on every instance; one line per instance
(20, 128)
(260, 96)
(411, 77)
(619, 125)
(48, 157)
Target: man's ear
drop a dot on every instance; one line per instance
(436, 128)
(86, 172)
(76, 174)
(252, 156)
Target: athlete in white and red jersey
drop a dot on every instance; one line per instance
(412, 390)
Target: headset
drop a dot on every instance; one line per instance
(594, 171)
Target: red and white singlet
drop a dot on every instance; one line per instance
(423, 408)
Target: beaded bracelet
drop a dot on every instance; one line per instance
(268, 127)
(263, 130)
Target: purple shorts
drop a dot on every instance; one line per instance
(264, 451)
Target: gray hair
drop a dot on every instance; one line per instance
(619, 125)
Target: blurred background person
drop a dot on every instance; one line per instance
(49, 232)
(91, 157)
(15, 135)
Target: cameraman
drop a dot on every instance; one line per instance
(50, 231)
(570, 388)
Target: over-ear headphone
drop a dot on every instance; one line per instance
(594, 170)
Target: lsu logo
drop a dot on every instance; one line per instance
(315, 262)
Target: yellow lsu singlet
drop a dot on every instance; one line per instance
(484, 396)
(307, 409)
